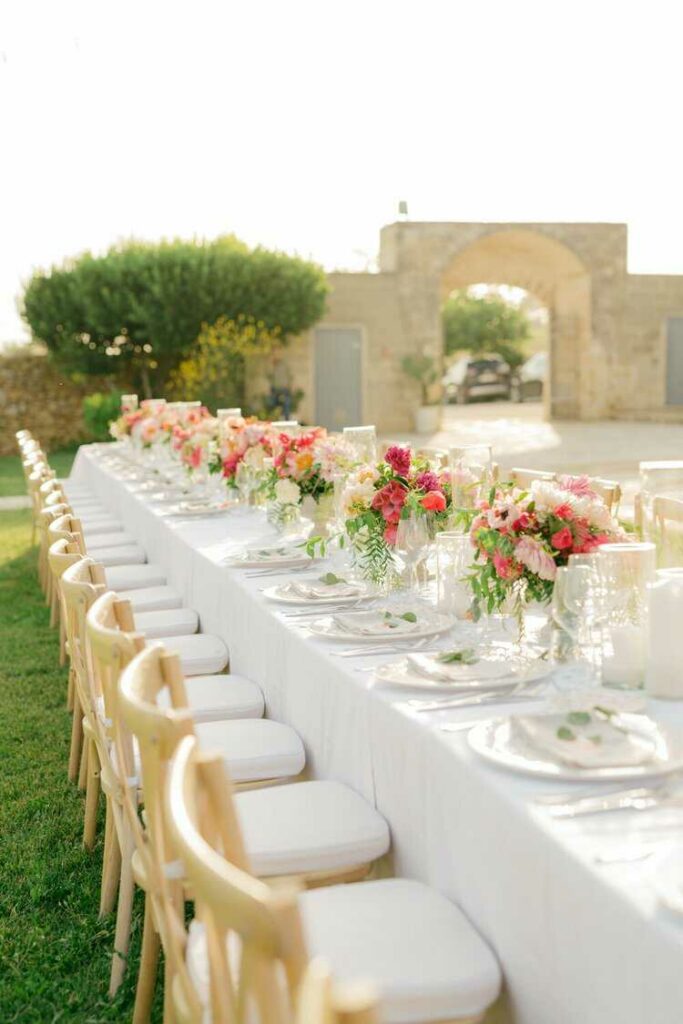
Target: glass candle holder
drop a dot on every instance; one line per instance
(625, 571)
(364, 442)
(470, 467)
(658, 479)
(454, 557)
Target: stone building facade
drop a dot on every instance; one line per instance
(616, 338)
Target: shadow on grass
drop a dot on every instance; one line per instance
(55, 954)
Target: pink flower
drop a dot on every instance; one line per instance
(428, 481)
(399, 459)
(390, 531)
(562, 539)
(505, 567)
(433, 501)
(537, 560)
(389, 500)
(578, 485)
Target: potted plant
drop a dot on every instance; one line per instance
(422, 369)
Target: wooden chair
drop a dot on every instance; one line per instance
(608, 490)
(62, 555)
(319, 1001)
(197, 827)
(667, 516)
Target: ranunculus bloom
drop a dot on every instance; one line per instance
(434, 501)
(399, 459)
(505, 567)
(427, 481)
(389, 500)
(562, 539)
(537, 560)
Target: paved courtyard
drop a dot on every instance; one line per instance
(521, 437)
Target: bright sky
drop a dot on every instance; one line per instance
(300, 124)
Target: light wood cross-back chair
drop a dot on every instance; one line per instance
(608, 490)
(279, 928)
(667, 518)
(63, 553)
(319, 1001)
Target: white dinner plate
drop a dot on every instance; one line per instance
(399, 673)
(496, 741)
(432, 626)
(277, 558)
(282, 594)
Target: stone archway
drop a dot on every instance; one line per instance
(577, 270)
(556, 276)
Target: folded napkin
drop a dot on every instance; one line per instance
(429, 667)
(270, 554)
(315, 591)
(376, 623)
(586, 739)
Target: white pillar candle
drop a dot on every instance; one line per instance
(664, 662)
(624, 659)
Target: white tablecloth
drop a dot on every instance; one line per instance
(580, 941)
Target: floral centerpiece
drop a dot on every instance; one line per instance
(377, 497)
(242, 442)
(304, 470)
(520, 537)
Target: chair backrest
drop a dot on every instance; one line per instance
(81, 585)
(667, 516)
(62, 554)
(319, 1001)
(230, 900)
(608, 490)
(157, 732)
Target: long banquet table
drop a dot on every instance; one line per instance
(577, 927)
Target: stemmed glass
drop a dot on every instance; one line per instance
(364, 441)
(412, 541)
(470, 469)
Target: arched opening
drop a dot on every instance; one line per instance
(552, 273)
(496, 344)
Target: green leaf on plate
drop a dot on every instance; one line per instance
(465, 657)
(578, 717)
(565, 733)
(408, 617)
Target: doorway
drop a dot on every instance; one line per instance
(338, 376)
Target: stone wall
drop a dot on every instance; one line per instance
(34, 395)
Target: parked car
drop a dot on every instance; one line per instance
(528, 381)
(477, 377)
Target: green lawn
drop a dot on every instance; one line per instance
(54, 953)
(12, 476)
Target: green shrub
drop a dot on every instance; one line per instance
(136, 311)
(99, 410)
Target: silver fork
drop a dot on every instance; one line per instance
(398, 647)
(520, 692)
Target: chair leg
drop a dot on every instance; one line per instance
(76, 740)
(111, 864)
(83, 765)
(62, 641)
(124, 913)
(92, 794)
(54, 606)
(169, 1015)
(70, 690)
(147, 975)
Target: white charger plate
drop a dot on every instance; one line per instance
(281, 595)
(328, 629)
(496, 741)
(399, 673)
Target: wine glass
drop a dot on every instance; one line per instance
(412, 540)
(470, 468)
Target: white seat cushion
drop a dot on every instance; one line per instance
(167, 622)
(134, 577)
(88, 508)
(96, 525)
(420, 951)
(254, 748)
(152, 599)
(218, 698)
(312, 826)
(129, 554)
(200, 655)
(413, 945)
(116, 539)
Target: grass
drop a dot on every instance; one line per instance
(12, 475)
(55, 954)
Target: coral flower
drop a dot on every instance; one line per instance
(433, 501)
(562, 539)
(389, 500)
(505, 567)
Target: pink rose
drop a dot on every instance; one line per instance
(562, 539)
(434, 501)
(399, 459)
(505, 567)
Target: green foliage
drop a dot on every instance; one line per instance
(216, 366)
(137, 310)
(12, 480)
(485, 324)
(99, 410)
(423, 370)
